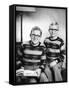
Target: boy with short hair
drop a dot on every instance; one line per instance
(34, 56)
(54, 46)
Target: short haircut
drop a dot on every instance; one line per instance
(36, 28)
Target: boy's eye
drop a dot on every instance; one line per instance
(54, 29)
(35, 35)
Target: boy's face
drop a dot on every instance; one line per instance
(35, 36)
(53, 31)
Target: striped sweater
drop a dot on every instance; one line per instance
(33, 56)
(54, 49)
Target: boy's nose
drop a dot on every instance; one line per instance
(52, 31)
(34, 37)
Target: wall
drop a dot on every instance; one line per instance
(42, 18)
(18, 28)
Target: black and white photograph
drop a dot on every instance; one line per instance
(40, 44)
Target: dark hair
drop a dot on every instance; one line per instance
(36, 28)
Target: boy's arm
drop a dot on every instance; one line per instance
(43, 57)
(63, 56)
(45, 42)
(62, 51)
(43, 60)
(18, 56)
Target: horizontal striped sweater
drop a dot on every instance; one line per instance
(33, 55)
(54, 49)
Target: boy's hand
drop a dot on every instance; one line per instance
(38, 71)
(20, 72)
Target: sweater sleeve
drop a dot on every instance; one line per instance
(18, 56)
(62, 50)
(43, 59)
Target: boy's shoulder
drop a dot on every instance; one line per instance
(43, 46)
(25, 43)
(28, 43)
(46, 39)
(60, 39)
